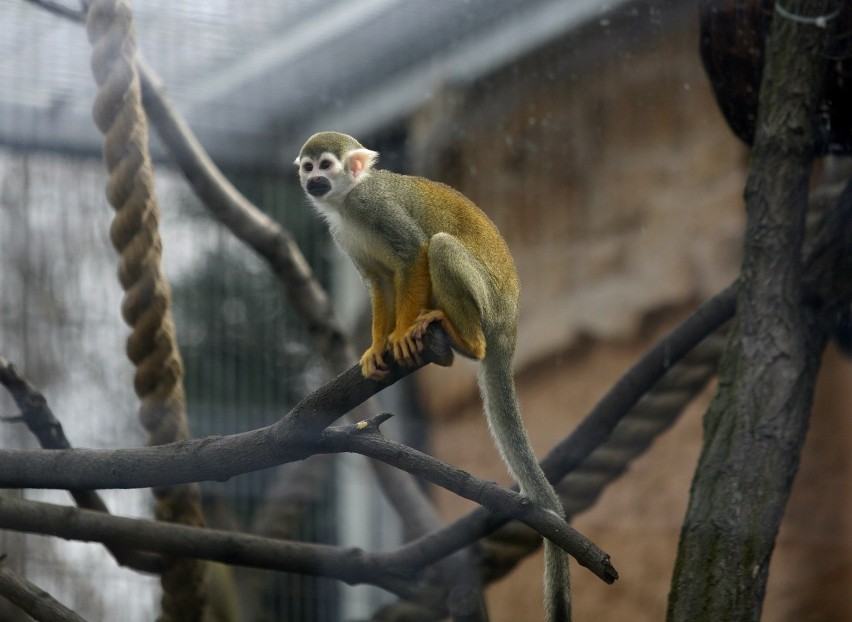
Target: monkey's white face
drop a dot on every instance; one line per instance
(327, 179)
(324, 179)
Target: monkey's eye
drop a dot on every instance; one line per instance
(307, 167)
(325, 165)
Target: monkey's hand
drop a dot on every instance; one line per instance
(373, 363)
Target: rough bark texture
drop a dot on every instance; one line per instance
(756, 424)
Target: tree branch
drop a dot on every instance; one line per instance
(33, 600)
(57, 8)
(39, 419)
(248, 223)
(214, 458)
(276, 246)
(364, 438)
(290, 439)
(352, 566)
(592, 432)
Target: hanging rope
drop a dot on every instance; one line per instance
(152, 346)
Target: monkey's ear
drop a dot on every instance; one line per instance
(296, 161)
(360, 161)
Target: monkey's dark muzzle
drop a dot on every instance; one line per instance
(317, 186)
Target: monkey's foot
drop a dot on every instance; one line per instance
(405, 348)
(475, 350)
(421, 324)
(373, 363)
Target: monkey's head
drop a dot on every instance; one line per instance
(330, 165)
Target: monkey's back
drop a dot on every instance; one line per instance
(439, 208)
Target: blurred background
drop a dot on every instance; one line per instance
(586, 130)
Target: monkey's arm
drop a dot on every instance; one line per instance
(372, 361)
(413, 293)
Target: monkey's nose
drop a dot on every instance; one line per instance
(317, 186)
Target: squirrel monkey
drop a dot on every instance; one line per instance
(428, 254)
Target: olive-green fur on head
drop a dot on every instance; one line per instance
(334, 143)
(330, 165)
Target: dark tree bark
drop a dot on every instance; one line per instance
(756, 424)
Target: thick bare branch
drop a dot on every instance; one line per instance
(349, 565)
(215, 458)
(33, 600)
(294, 437)
(39, 419)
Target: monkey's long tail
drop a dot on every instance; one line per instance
(497, 383)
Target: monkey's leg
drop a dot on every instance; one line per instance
(459, 287)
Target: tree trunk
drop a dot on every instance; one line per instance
(755, 426)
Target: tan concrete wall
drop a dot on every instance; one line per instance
(619, 189)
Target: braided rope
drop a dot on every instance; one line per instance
(134, 232)
(652, 415)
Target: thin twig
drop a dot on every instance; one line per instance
(57, 8)
(365, 439)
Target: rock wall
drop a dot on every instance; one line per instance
(606, 164)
